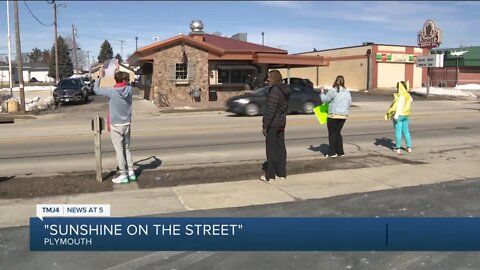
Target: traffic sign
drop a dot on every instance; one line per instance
(430, 60)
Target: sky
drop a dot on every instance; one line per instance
(295, 26)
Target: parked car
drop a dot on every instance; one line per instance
(302, 99)
(70, 90)
(299, 81)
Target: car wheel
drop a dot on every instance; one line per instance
(251, 109)
(308, 107)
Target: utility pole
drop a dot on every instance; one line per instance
(57, 73)
(136, 43)
(89, 68)
(74, 32)
(263, 38)
(19, 55)
(121, 48)
(9, 51)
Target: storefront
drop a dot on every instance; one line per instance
(460, 66)
(368, 66)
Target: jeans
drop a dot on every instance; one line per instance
(335, 139)
(276, 153)
(401, 128)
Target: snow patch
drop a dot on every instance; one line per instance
(443, 91)
(470, 86)
(30, 88)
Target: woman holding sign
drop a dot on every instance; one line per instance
(339, 100)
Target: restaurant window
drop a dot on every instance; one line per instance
(233, 75)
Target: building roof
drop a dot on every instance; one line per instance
(234, 45)
(367, 44)
(144, 51)
(222, 48)
(26, 66)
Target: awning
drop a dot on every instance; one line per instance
(286, 61)
(236, 67)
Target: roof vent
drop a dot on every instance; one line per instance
(196, 26)
(240, 36)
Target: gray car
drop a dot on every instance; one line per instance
(302, 99)
(70, 90)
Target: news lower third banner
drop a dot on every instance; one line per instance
(253, 234)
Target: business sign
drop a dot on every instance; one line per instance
(395, 57)
(430, 60)
(430, 36)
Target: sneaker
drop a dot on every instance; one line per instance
(121, 179)
(264, 178)
(331, 156)
(397, 150)
(131, 176)
(280, 178)
(409, 149)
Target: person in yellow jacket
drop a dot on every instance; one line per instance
(399, 111)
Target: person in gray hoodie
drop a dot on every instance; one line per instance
(339, 100)
(120, 115)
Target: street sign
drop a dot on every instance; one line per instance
(430, 60)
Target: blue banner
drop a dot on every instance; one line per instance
(255, 234)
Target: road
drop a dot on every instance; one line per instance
(63, 141)
(454, 199)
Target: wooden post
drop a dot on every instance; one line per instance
(97, 126)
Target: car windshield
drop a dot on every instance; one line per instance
(68, 83)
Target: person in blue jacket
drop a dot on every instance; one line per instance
(120, 113)
(339, 100)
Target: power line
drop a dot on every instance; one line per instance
(61, 30)
(88, 36)
(33, 15)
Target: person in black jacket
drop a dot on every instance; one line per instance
(274, 121)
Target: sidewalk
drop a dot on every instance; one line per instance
(133, 202)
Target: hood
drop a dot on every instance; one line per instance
(402, 90)
(124, 91)
(283, 88)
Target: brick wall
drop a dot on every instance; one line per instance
(162, 83)
(446, 76)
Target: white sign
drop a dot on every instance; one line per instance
(458, 53)
(430, 60)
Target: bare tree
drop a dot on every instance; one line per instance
(81, 55)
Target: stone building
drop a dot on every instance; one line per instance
(202, 67)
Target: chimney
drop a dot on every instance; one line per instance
(197, 30)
